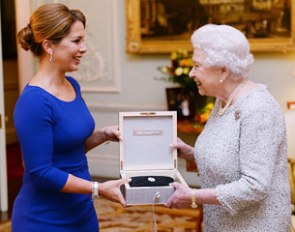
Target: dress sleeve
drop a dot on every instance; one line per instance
(260, 135)
(34, 125)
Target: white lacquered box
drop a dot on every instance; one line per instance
(145, 151)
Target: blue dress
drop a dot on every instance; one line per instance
(52, 134)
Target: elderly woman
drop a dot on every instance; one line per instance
(241, 153)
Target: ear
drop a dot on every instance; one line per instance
(224, 73)
(47, 46)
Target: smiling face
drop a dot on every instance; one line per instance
(206, 78)
(68, 52)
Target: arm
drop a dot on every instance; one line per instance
(33, 121)
(109, 189)
(182, 197)
(257, 157)
(109, 133)
(260, 139)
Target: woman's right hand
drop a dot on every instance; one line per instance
(111, 190)
(184, 150)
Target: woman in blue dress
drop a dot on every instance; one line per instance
(55, 131)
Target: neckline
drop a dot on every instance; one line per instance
(53, 96)
(258, 87)
(221, 109)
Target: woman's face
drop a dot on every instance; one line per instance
(206, 78)
(69, 51)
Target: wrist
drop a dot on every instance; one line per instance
(95, 190)
(103, 136)
(190, 152)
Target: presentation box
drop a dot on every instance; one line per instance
(145, 151)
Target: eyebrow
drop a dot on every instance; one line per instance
(77, 37)
(197, 62)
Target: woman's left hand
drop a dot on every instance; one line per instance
(105, 134)
(181, 198)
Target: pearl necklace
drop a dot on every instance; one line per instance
(230, 98)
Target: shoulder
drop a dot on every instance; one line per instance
(260, 99)
(32, 103)
(260, 108)
(32, 95)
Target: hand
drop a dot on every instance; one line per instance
(111, 133)
(184, 150)
(108, 133)
(181, 198)
(111, 190)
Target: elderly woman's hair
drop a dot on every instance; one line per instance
(224, 46)
(49, 21)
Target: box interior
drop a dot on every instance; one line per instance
(173, 173)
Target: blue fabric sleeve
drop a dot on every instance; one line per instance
(33, 120)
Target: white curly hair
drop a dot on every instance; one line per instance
(224, 46)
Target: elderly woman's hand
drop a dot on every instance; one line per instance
(181, 198)
(184, 150)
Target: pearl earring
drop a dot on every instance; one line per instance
(51, 56)
(220, 81)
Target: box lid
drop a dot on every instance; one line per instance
(146, 140)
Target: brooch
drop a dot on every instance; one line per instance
(237, 115)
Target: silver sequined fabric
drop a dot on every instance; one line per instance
(243, 155)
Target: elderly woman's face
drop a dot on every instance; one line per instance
(206, 78)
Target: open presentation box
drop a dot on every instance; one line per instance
(145, 151)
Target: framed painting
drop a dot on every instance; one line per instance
(162, 26)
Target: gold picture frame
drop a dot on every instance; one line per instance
(268, 24)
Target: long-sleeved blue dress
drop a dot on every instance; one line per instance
(52, 134)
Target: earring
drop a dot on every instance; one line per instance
(220, 81)
(51, 56)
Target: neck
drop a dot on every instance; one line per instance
(232, 96)
(49, 75)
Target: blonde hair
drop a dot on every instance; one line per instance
(224, 46)
(50, 21)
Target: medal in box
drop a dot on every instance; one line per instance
(147, 158)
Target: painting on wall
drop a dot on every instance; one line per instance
(161, 26)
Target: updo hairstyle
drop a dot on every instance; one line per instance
(49, 21)
(224, 46)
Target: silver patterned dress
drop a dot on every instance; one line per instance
(243, 155)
